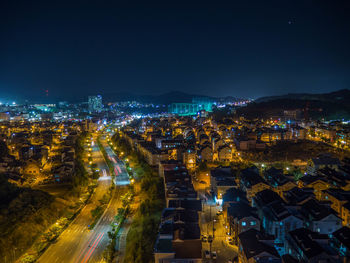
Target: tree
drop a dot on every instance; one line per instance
(28, 259)
(4, 151)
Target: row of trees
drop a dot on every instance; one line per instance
(144, 229)
(42, 218)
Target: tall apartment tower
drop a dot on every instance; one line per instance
(95, 103)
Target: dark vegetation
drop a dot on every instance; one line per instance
(330, 106)
(25, 213)
(143, 231)
(287, 151)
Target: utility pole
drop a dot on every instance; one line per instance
(211, 242)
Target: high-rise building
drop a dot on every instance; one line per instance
(95, 103)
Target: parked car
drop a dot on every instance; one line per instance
(207, 254)
(213, 255)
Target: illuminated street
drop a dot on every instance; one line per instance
(78, 244)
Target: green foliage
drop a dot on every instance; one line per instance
(4, 151)
(27, 215)
(8, 191)
(28, 259)
(96, 212)
(297, 174)
(144, 229)
(105, 199)
(202, 166)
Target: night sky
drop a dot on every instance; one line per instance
(244, 48)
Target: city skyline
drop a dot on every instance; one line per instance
(209, 132)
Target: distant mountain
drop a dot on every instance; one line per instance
(331, 106)
(166, 98)
(342, 96)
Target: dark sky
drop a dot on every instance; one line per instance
(241, 48)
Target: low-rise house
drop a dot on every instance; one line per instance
(63, 173)
(321, 162)
(345, 215)
(278, 181)
(153, 155)
(298, 196)
(241, 217)
(320, 218)
(233, 196)
(31, 168)
(224, 153)
(341, 242)
(336, 179)
(186, 204)
(180, 191)
(251, 182)
(337, 197)
(217, 143)
(190, 159)
(317, 183)
(254, 247)
(310, 247)
(222, 178)
(274, 215)
(179, 237)
(245, 144)
(205, 153)
(171, 165)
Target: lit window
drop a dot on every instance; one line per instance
(244, 223)
(252, 223)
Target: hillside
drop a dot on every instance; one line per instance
(329, 106)
(340, 96)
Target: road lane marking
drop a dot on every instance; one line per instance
(91, 246)
(83, 249)
(93, 249)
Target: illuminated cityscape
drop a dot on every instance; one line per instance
(175, 133)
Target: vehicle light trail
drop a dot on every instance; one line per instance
(92, 248)
(82, 250)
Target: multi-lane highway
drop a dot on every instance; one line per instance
(78, 244)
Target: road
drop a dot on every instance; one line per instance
(220, 245)
(77, 244)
